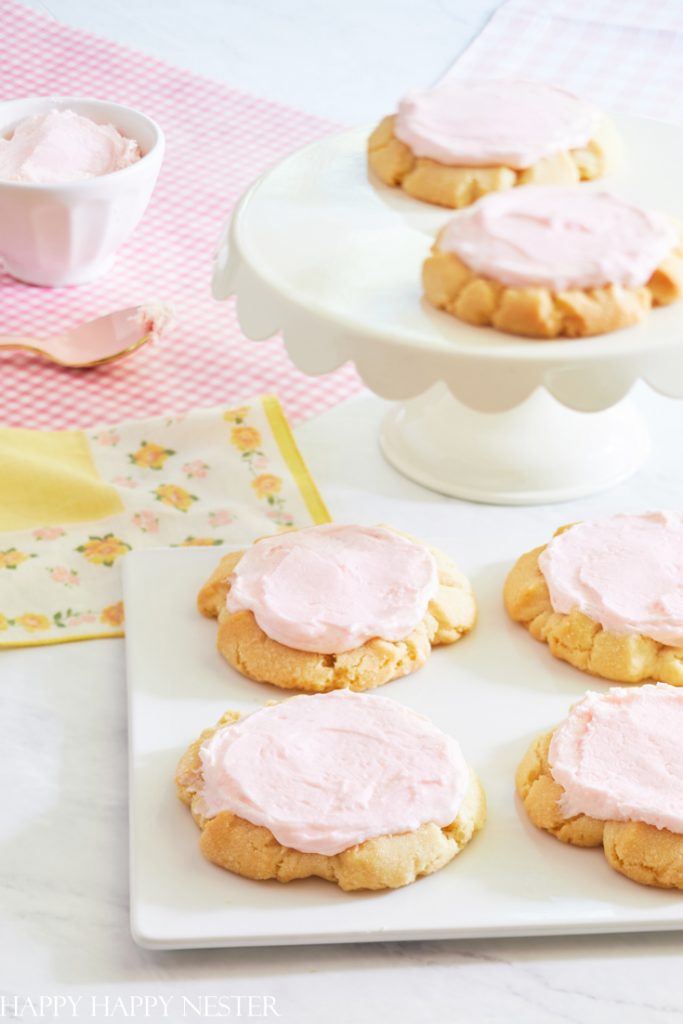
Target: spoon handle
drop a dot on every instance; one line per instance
(18, 341)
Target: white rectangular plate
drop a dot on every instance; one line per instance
(494, 691)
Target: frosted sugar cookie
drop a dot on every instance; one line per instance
(355, 789)
(607, 596)
(612, 774)
(455, 143)
(554, 262)
(335, 606)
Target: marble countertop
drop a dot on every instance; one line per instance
(63, 853)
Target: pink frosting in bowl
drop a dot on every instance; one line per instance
(508, 123)
(61, 145)
(625, 572)
(619, 756)
(329, 589)
(558, 238)
(328, 771)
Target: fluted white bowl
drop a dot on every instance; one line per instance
(67, 233)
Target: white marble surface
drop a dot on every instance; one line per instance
(63, 848)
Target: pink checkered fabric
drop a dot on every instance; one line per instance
(218, 141)
(622, 54)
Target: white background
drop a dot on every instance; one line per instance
(64, 926)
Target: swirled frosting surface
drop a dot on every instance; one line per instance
(494, 123)
(558, 238)
(329, 589)
(625, 572)
(619, 756)
(61, 145)
(325, 772)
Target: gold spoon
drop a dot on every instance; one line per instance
(99, 341)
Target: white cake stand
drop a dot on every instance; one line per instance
(332, 259)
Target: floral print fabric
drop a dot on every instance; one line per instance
(211, 478)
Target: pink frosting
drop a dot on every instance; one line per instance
(558, 238)
(625, 572)
(329, 589)
(325, 772)
(492, 123)
(60, 145)
(619, 756)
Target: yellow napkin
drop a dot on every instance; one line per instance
(73, 503)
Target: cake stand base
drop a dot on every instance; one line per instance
(537, 453)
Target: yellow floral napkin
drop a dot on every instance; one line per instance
(73, 503)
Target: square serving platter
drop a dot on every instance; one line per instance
(494, 691)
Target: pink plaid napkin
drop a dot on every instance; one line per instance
(218, 141)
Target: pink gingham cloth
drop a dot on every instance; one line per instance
(622, 54)
(625, 54)
(217, 141)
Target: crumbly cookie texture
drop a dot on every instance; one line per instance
(450, 285)
(451, 613)
(642, 852)
(629, 658)
(387, 862)
(395, 164)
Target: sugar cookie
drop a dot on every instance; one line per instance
(552, 262)
(611, 775)
(461, 140)
(607, 596)
(335, 606)
(355, 789)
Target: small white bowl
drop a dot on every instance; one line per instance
(68, 232)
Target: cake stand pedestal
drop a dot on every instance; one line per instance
(332, 259)
(538, 452)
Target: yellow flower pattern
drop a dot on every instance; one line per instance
(236, 415)
(104, 550)
(247, 439)
(266, 484)
(113, 615)
(236, 480)
(175, 496)
(150, 456)
(33, 623)
(11, 558)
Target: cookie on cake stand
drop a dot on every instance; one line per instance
(333, 260)
(461, 140)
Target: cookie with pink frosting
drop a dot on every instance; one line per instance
(354, 789)
(611, 775)
(461, 140)
(335, 606)
(607, 596)
(554, 263)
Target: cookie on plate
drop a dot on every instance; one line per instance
(554, 263)
(611, 775)
(335, 606)
(461, 140)
(607, 596)
(355, 789)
